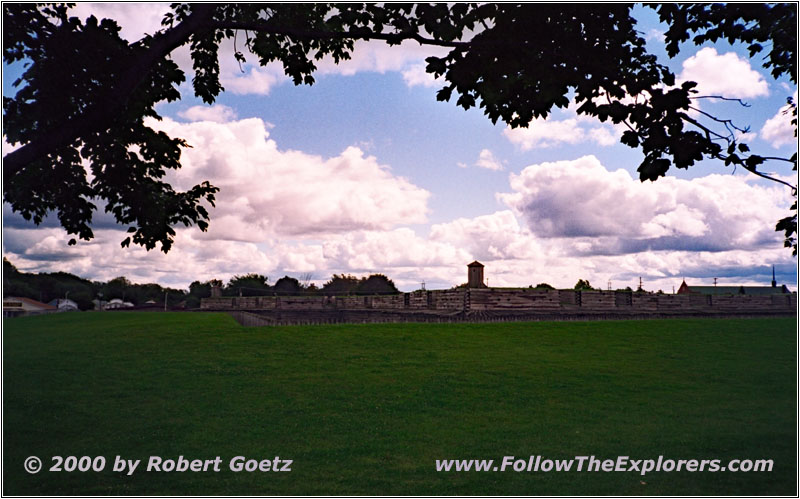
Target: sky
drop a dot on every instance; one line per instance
(365, 172)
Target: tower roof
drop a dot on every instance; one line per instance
(476, 263)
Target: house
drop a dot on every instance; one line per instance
(17, 306)
(732, 290)
(116, 303)
(64, 305)
(735, 290)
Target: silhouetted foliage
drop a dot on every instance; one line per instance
(118, 287)
(46, 287)
(544, 285)
(340, 285)
(582, 285)
(287, 285)
(86, 91)
(200, 289)
(376, 284)
(247, 285)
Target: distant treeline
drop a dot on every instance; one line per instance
(257, 285)
(46, 287)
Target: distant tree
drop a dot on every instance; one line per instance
(20, 288)
(544, 285)
(376, 284)
(83, 299)
(48, 286)
(119, 287)
(8, 268)
(583, 285)
(247, 285)
(340, 285)
(67, 285)
(287, 284)
(200, 290)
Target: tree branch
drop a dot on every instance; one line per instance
(740, 101)
(108, 105)
(764, 175)
(751, 169)
(341, 35)
(727, 123)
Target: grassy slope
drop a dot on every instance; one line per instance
(367, 409)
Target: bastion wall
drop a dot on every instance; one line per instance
(483, 303)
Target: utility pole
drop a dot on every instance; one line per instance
(165, 300)
(715, 282)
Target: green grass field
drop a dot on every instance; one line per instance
(367, 409)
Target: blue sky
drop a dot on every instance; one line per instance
(366, 172)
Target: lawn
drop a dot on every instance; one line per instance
(368, 409)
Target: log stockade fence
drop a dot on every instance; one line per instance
(494, 305)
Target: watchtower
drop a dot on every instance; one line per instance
(475, 275)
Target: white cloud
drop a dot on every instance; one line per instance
(416, 75)
(377, 56)
(654, 34)
(266, 191)
(135, 19)
(613, 213)
(603, 136)
(544, 133)
(189, 259)
(487, 160)
(251, 79)
(488, 237)
(779, 130)
(217, 113)
(723, 74)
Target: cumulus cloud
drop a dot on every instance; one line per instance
(487, 161)
(217, 113)
(723, 74)
(779, 130)
(544, 133)
(654, 34)
(267, 191)
(605, 212)
(134, 19)
(377, 56)
(488, 237)
(191, 258)
(252, 79)
(287, 212)
(416, 75)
